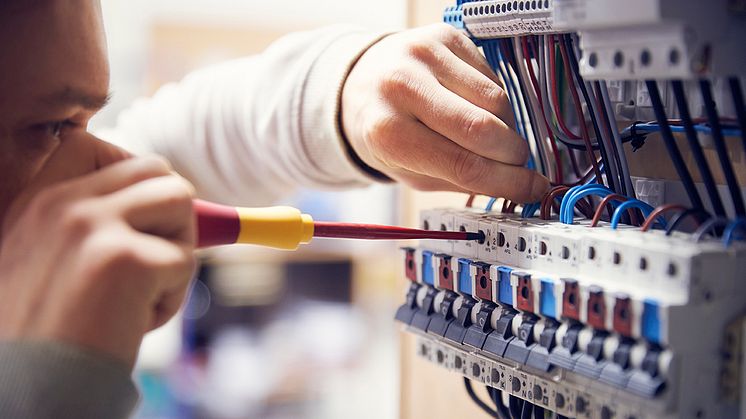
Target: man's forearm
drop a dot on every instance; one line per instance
(55, 380)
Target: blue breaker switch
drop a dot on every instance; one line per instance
(428, 275)
(505, 294)
(651, 321)
(547, 300)
(464, 277)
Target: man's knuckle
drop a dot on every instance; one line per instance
(478, 126)
(398, 82)
(468, 168)
(77, 218)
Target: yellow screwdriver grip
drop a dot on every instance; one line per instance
(279, 227)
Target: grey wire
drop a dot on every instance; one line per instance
(626, 178)
(611, 168)
(541, 135)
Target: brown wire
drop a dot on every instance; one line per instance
(607, 201)
(470, 201)
(546, 209)
(658, 212)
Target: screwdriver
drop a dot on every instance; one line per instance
(287, 228)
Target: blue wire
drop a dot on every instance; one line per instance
(648, 128)
(728, 235)
(490, 204)
(575, 194)
(529, 210)
(624, 206)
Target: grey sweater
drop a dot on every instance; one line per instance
(56, 380)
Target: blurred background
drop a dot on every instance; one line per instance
(269, 334)
(265, 334)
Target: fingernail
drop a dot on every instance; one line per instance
(539, 187)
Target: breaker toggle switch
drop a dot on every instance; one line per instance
(440, 321)
(457, 329)
(539, 356)
(566, 353)
(616, 373)
(478, 332)
(422, 317)
(519, 348)
(406, 311)
(591, 362)
(647, 381)
(497, 341)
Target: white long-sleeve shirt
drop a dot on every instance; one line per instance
(245, 132)
(249, 131)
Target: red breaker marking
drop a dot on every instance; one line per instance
(525, 293)
(571, 299)
(622, 321)
(483, 281)
(445, 273)
(596, 308)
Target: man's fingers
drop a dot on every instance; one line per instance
(464, 48)
(122, 174)
(429, 153)
(160, 206)
(77, 155)
(467, 125)
(465, 80)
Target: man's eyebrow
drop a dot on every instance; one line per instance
(75, 97)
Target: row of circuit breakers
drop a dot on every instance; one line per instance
(585, 322)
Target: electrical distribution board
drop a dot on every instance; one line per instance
(616, 296)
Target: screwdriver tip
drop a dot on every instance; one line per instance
(475, 236)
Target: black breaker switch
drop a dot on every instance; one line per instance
(617, 373)
(440, 321)
(457, 329)
(477, 333)
(647, 382)
(591, 362)
(519, 349)
(406, 311)
(497, 341)
(566, 354)
(539, 356)
(422, 317)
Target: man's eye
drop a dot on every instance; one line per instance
(54, 129)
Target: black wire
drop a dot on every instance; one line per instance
(607, 121)
(538, 412)
(514, 405)
(738, 103)
(699, 155)
(680, 217)
(673, 149)
(497, 397)
(719, 140)
(482, 405)
(581, 85)
(527, 410)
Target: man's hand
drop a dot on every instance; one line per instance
(423, 107)
(97, 251)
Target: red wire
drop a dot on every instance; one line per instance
(555, 92)
(382, 232)
(579, 110)
(558, 162)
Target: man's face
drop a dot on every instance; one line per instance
(54, 76)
